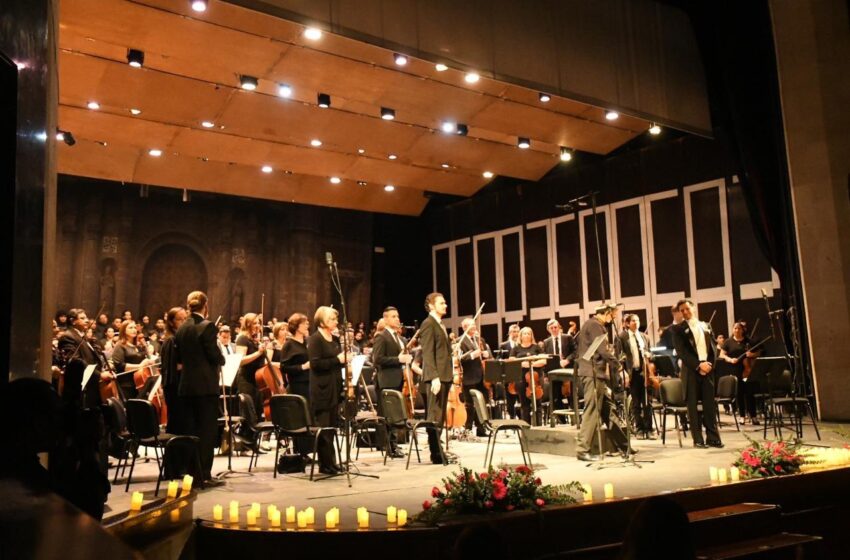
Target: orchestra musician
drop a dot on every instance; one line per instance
(636, 353)
(295, 367)
(253, 350)
(201, 359)
(77, 353)
(389, 358)
(326, 359)
(595, 375)
(528, 347)
(224, 341)
(562, 345)
(694, 345)
(171, 369)
(734, 351)
(505, 349)
(437, 371)
(128, 353)
(473, 353)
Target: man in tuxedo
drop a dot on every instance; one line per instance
(513, 340)
(389, 359)
(561, 345)
(473, 351)
(636, 351)
(694, 345)
(225, 343)
(77, 354)
(436, 370)
(198, 352)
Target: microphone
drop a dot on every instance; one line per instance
(763, 293)
(329, 258)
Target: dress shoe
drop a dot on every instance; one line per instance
(213, 483)
(397, 454)
(700, 445)
(333, 469)
(587, 457)
(718, 444)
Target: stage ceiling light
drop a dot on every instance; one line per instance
(248, 83)
(324, 100)
(612, 115)
(400, 59)
(315, 142)
(266, 169)
(313, 33)
(135, 58)
(389, 188)
(462, 130)
(449, 127)
(566, 154)
(284, 90)
(488, 174)
(155, 152)
(440, 67)
(199, 5)
(544, 97)
(93, 105)
(387, 114)
(523, 143)
(471, 77)
(655, 130)
(336, 180)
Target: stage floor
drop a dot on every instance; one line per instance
(673, 468)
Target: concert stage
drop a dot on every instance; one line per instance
(682, 473)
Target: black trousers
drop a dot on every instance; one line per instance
(327, 418)
(250, 389)
(701, 387)
(469, 404)
(437, 413)
(176, 410)
(641, 408)
(201, 420)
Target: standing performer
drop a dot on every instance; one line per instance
(389, 358)
(171, 370)
(77, 353)
(253, 349)
(473, 353)
(636, 351)
(695, 347)
(528, 347)
(436, 370)
(326, 361)
(595, 376)
(197, 351)
(734, 351)
(295, 365)
(562, 345)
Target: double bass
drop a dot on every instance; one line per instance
(455, 409)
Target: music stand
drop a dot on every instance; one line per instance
(664, 365)
(504, 372)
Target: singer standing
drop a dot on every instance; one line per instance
(436, 370)
(197, 351)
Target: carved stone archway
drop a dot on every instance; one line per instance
(170, 273)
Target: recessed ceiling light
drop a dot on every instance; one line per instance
(266, 169)
(284, 90)
(199, 5)
(462, 130)
(445, 165)
(544, 97)
(207, 124)
(389, 188)
(135, 111)
(248, 83)
(566, 154)
(135, 58)
(315, 142)
(155, 152)
(655, 130)
(612, 115)
(449, 127)
(387, 114)
(313, 33)
(392, 156)
(400, 59)
(523, 143)
(361, 151)
(440, 67)
(65, 136)
(361, 183)
(471, 77)
(93, 105)
(336, 180)
(324, 100)
(488, 174)
(42, 136)
(100, 142)
(60, 136)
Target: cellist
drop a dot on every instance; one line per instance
(252, 350)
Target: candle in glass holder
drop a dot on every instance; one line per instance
(310, 514)
(588, 491)
(302, 519)
(256, 508)
(290, 514)
(721, 475)
(362, 518)
(391, 514)
(234, 511)
(275, 519)
(136, 501)
(402, 517)
(335, 511)
(712, 474)
(735, 474)
(330, 520)
(187, 484)
(218, 512)
(270, 511)
(172, 489)
(609, 491)
(251, 517)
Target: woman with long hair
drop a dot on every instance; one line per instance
(127, 355)
(253, 348)
(527, 347)
(170, 369)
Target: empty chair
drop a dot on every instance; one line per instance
(182, 456)
(143, 426)
(727, 393)
(115, 419)
(781, 396)
(495, 426)
(252, 431)
(672, 402)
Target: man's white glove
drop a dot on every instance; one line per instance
(435, 386)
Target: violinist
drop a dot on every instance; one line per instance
(528, 347)
(562, 345)
(128, 355)
(248, 343)
(171, 371)
(326, 360)
(77, 353)
(473, 353)
(636, 352)
(735, 352)
(389, 359)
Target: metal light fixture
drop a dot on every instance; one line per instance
(324, 100)
(135, 58)
(248, 83)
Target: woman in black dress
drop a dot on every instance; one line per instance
(527, 347)
(733, 351)
(295, 366)
(326, 360)
(252, 359)
(126, 355)
(170, 369)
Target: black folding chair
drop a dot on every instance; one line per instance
(395, 416)
(495, 426)
(120, 442)
(252, 431)
(143, 426)
(781, 396)
(727, 393)
(291, 418)
(672, 402)
(182, 456)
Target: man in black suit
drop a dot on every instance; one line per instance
(473, 351)
(77, 354)
(695, 347)
(561, 345)
(197, 350)
(635, 348)
(513, 340)
(389, 359)
(436, 370)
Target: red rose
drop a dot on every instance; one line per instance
(435, 492)
(510, 507)
(503, 473)
(539, 502)
(488, 504)
(484, 476)
(426, 505)
(447, 502)
(537, 481)
(778, 468)
(522, 469)
(499, 490)
(448, 485)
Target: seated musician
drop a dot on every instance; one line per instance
(127, 355)
(528, 347)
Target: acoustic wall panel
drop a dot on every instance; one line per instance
(537, 279)
(465, 267)
(630, 253)
(512, 272)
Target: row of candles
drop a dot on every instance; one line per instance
(719, 474)
(173, 487)
(305, 518)
(608, 489)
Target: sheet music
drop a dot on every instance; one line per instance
(356, 367)
(595, 346)
(230, 368)
(87, 373)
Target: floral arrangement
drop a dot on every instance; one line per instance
(503, 489)
(771, 458)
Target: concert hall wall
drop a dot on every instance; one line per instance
(123, 251)
(681, 228)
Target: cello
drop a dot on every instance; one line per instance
(268, 377)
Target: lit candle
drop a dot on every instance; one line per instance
(172, 489)
(362, 518)
(310, 514)
(174, 516)
(330, 520)
(609, 490)
(736, 474)
(251, 517)
(234, 511)
(391, 514)
(270, 510)
(712, 473)
(257, 508)
(290, 514)
(136, 501)
(721, 475)
(275, 518)
(302, 520)
(335, 511)
(588, 491)
(402, 517)
(218, 512)
(187, 484)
